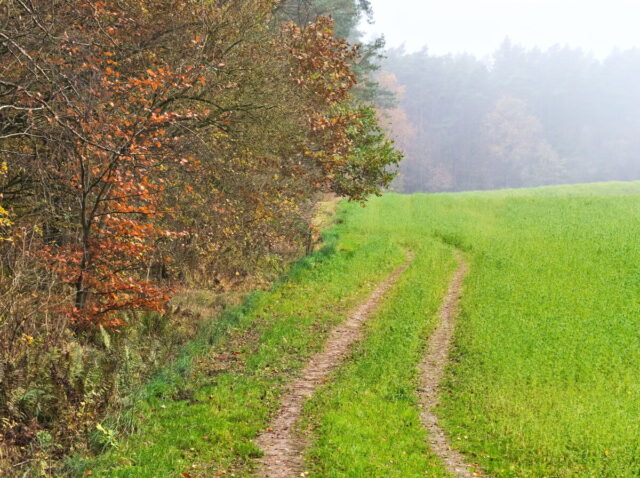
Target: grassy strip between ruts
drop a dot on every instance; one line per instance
(201, 416)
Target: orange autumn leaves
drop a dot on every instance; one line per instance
(116, 122)
(163, 138)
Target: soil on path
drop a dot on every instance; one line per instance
(431, 371)
(282, 446)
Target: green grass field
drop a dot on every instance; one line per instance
(543, 380)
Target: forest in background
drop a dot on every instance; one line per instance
(148, 147)
(526, 117)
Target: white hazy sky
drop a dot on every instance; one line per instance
(479, 26)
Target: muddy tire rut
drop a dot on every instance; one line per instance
(283, 448)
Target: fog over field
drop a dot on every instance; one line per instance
(511, 93)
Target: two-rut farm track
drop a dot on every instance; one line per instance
(283, 447)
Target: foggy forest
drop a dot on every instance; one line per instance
(525, 117)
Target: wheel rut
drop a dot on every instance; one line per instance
(431, 372)
(282, 446)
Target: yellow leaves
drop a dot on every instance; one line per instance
(27, 339)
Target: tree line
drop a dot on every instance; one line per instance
(525, 117)
(150, 145)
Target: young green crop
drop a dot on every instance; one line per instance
(543, 376)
